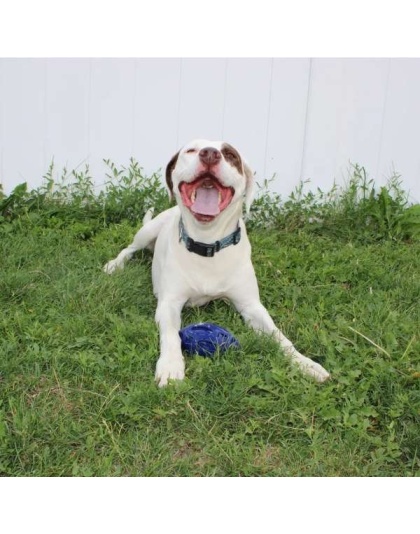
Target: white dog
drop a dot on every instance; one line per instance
(202, 252)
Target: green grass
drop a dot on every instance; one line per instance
(78, 347)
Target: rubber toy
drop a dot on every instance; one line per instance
(205, 338)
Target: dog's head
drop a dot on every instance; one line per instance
(208, 177)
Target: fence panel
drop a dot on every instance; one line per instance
(295, 118)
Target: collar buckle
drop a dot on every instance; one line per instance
(236, 236)
(202, 249)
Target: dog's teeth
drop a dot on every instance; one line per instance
(193, 196)
(220, 197)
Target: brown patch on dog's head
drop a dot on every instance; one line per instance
(249, 195)
(232, 156)
(169, 169)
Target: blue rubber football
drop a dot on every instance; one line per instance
(205, 338)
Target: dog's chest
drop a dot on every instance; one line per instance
(209, 278)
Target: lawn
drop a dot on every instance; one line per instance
(78, 349)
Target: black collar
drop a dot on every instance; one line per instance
(208, 249)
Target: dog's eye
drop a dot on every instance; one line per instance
(191, 151)
(229, 155)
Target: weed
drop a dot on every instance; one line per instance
(356, 210)
(129, 193)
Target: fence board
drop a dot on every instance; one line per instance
(247, 107)
(67, 113)
(287, 121)
(400, 150)
(24, 122)
(156, 112)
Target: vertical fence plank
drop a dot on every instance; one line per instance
(156, 112)
(111, 113)
(1, 125)
(247, 108)
(286, 127)
(67, 109)
(323, 120)
(202, 99)
(24, 121)
(361, 114)
(400, 150)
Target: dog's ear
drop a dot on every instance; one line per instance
(169, 169)
(249, 191)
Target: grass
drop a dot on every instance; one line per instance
(337, 271)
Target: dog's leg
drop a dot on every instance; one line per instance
(258, 317)
(171, 361)
(144, 238)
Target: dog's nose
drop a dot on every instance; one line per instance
(209, 155)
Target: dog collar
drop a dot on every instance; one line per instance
(208, 250)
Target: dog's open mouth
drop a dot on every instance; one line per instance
(206, 197)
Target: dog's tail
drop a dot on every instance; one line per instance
(148, 215)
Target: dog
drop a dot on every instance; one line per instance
(202, 251)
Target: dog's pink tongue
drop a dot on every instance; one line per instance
(206, 201)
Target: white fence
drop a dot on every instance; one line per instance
(295, 118)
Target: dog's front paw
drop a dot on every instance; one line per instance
(312, 368)
(169, 369)
(112, 266)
